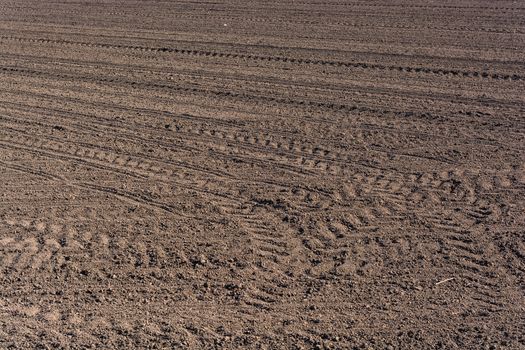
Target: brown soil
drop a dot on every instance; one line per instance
(262, 174)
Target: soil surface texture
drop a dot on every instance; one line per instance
(310, 174)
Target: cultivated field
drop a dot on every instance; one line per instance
(307, 174)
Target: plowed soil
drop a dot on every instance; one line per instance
(262, 174)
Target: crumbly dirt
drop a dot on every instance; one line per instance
(262, 174)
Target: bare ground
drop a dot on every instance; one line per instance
(262, 174)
